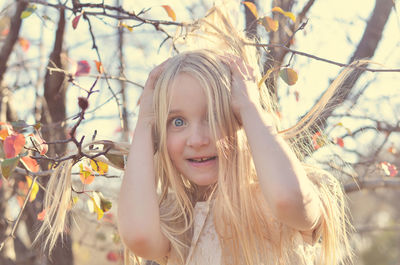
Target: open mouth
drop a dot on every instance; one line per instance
(202, 159)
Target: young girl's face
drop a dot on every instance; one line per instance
(190, 144)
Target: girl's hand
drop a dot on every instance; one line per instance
(146, 99)
(244, 85)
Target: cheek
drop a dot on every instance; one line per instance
(175, 146)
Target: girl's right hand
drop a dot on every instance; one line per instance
(146, 99)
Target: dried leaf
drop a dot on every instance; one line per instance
(285, 13)
(289, 76)
(269, 24)
(170, 12)
(252, 7)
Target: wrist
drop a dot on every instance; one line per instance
(253, 111)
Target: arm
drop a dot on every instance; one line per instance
(283, 181)
(138, 209)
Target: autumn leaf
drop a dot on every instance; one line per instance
(99, 167)
(75, 21)
(252, 7)
(319, 140)
(83, 68)
(96, 208)
(285, 13)
(170, 12)
(112, 256)
(339, 141)
(389, 169)
(269, 24)
(35, 188)
(85, 175)
(3, 134)
(13, 145)
(130, 28)
(105, 204)
(289, 76)
(28, 11)
(8, 165)
(392, 150)
(117, 160)
(99, 67)
(30, 164)
(41, 215)
(39, 143)
(24, 43)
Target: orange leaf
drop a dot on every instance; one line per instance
(30, 164)
(41, 215)
(13, 145)
(3, 134)
(24, 43)
(85, 175)
(270, 24)
(170, 12)
(99, 67)
(252, 7)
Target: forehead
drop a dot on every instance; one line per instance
(186, 90)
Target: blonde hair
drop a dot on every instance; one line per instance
(242, 219)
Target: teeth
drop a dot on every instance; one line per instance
(202, 159)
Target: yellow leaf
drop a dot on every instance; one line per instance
(266, 76)
(97, 209)
(170, 12)
(99, 167)
(270, 24)
(285, 13)
(130, 28)
(35, 188)
(252, 7)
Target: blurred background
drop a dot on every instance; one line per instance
(52, 53)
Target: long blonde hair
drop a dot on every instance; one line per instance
(242, 218)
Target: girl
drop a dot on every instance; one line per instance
(211, 180)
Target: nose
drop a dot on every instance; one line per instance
(199, 136)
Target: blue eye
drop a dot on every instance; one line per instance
(178, 122)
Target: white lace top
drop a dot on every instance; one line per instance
(206, 249)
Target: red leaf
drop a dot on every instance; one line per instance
(339, 141)
(75, 21)
(82, 68)
(390, 170)
(13, 145)
(112, 256)
(30, 164)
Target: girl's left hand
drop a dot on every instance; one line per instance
(244, 85)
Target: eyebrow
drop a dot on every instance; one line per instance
(174, 111)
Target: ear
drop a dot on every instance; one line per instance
(156, 140)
